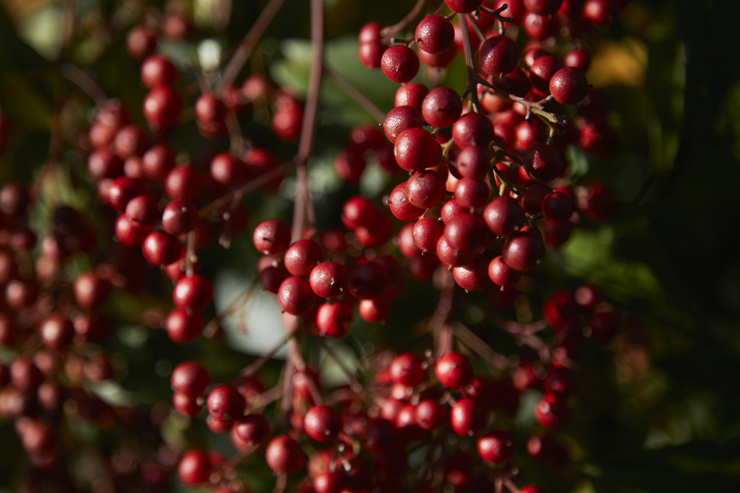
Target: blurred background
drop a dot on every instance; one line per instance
(662, 415)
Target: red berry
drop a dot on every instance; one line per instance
(504, 216)
(322, 423)
(496, 446)
(399, 63)
(557, 207)
(284, 455)
(400, 205)
(368, 280)
(401, 118)
(179, 217)
(524, 250)
(468, 417)
(463, 6)
(329, 279)
(454, 370)
(252, 429)
(407, 369)
(272, 237)
(194, 468)
(543, 7)
(157, 70)
(441, 107)
(162, 107)
(183, 327)
(434, 34)
(472, 129)
(568, 85)
(295, 296)
(193, 292)
(502, 274)
(225, 403)
(190, 379)
(498, 55)
(161, 249)
(425, 189)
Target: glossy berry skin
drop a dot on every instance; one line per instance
(90, 290)
(495, 446)
(498, 55)
(543, 162)
(272, 237)
(399, 63)
(598, 12)
(471, 194)
(179, 217)
(56, 331)
(474, 275)
(542, 70)
(473, 163)
(430, 415)
(190, 379)
(504, 216)
(143, 210)
(253, 429)
(183, 327)
(302, 257)
(157, 70)
(329, 279)
(543, 7)
(295, 296)
(557, 207)
(502, 274)
(368, 280)
(228, 170)
(453, 370)
(472, 129)
(407, 369)
(333, 319)
(400, 205)
(194, 468)
(465, 232)
(426, 189)
(399, 119)
(225, 403)
(468, 417)
(551, 412)
(162, 107)
(524, 250)
(410, 94)
(322, 423)
(441, 107)
(416, 149)
(193, 292)
(568, 85)
(161, 249)
(426, 234)
(578, 58)
(284, 455)
(434, 34)
(463, 6)
(122, 190)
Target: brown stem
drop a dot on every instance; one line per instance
(525, 333)
(511, 486)
(471, 87)
(357, 385)
(438, 324)
(532, 107)
(190, 257)
(355, 94)
(68, 24)
(255, 366)
(247, 187)
(247, 45)
(84, 82)
(391, 31)
(477, 344)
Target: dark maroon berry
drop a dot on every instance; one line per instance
(543, 162)
(426, 234)
(322, 423)
(284, 455)
(179, 217)
(143, 210)
(295, 296)
(102, 163)
(302, 257)
(473, 163)
(463, 6)
(434, 34)
(407, 369)
(472, 129)
(400, 205)
(557, 207)
(543, 7)
(130, 141)
(425, 189)
(411, 94)
(524, 250)
(471, 194)
(441, 107)
(349, 164)
(597, 202)
(162, 107)
(502, 274)
(368, 280)
(272, 237)
(578, 58)
(399, 63)
(271, 277)
(157, 162)
(228, 170)
(252, 429)
(496, 446)
(604, 326)
(474, 275)
(401, 118)
(568, 85)
(465, 232)
(504, 216)
(498, 55)
(416, 149)
(534, 197)
(225, 403)
(542, 70)
(440, 60)
(24, 374)
(90, 290)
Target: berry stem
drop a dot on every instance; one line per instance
(533, 107)
(477, 344)
(505, 182)
(299, 363)
(84, 82)
(247, 45)
(355, 94)
(190, 256)
(471, 88)
(438, 323)
(358, 385)
(391, 31)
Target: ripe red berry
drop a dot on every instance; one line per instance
(329, 279)
(504, 216)
(543, 162)
(472, 194)
(194, 468)
(157, 70)
(498, 55)
(131, 233)
(463, 6)
(56, 331)
(534, 197)
(284, 455)
(179, 217)
(454, 370)
(334, 319)
(502, 274)
(598, 12)
(143, 210)
(122, 190)
(465, 232)
(295, 296)
(543, 7)
(368, 280)
(407, 369)
(441, 107)
(322, 423)
(161, 249)
(468, 417)
(400, 205)
(399, 63)
(272, 237)
(141, 42)
(183, 327)
(542, 70)
(193, 292)
(434, 34)
(425, 189)
(426, 234)
(557, 207)
(472, 129)
(578, 58)
(225, 403)
(228, 170)
(496, 446)
(524, 250)
(302, 257)
(551, 411)
(401, 118)
(157, 162)
(568, 85)
(190, 379)
(102, 163)
(162, 107)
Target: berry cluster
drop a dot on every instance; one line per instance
(479, 188)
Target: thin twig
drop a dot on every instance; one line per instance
(355, 94)
(257, 364)
(472, 87)
(391, 31)
(357, 385)
(242, 53)
(438, 323)
(84, 82)
(477, 344)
